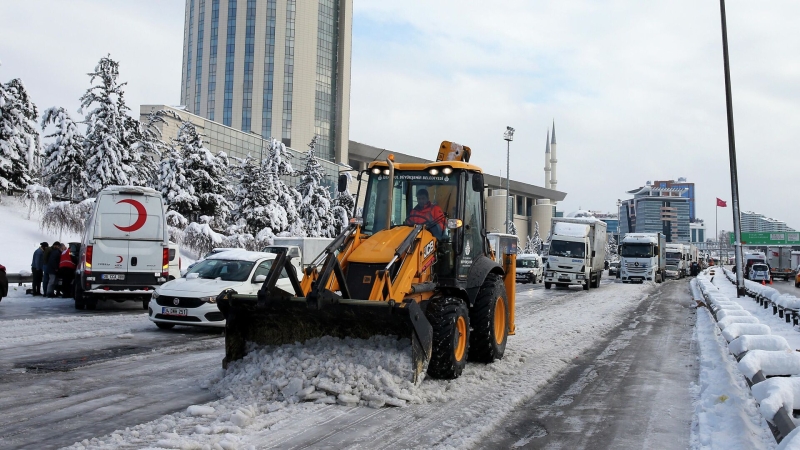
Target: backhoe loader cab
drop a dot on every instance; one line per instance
(416, 264)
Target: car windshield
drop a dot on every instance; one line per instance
(673, 255)
(567, 249)
(527, 263)
(225, 270)
(671, 267)
(637, 250)
(760, 267)
(614, 264)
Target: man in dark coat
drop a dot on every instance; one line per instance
(3, 282)
(37, 268)
(52, 268)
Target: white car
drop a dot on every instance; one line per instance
(192, 300)
(213, 251)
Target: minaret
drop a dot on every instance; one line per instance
(553, 159)
(547, 162)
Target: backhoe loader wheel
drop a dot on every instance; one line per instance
(449, 318)
(489, 319)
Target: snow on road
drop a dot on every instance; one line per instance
(261, 403)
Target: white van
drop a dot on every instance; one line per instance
(529, 268)
(125, 251)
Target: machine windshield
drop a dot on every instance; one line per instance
(567, 249)
(418, 198)
(527, 263)
(673, 255)
(637, 250)
(224, 269)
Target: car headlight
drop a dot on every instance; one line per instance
(209, 299)
(580, 277)
(155, 295)
(549, 274)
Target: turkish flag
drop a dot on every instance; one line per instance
(722, 203)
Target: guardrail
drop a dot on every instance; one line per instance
(786, 306)
(19, 278)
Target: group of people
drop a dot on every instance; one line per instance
(50, 264)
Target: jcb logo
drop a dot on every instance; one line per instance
(428, 250)
(367, 279)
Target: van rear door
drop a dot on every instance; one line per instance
(129, 233)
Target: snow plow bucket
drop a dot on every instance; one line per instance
(275, 316)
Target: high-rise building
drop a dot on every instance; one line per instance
(654, 209)
(277, 68)
(688, 193)
(758, 223)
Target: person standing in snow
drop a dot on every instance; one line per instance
(66, 271)
(53, 259)
(37, 268)
(45, 269)
(3, 282)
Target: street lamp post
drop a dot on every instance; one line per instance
(508, 136)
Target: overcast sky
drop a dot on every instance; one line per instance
(636, 88)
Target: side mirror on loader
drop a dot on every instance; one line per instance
(477, 182)
(342, 183)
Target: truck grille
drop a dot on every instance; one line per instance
(631, 268)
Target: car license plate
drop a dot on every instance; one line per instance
(110, 276)
(637, 279)
(174, 311)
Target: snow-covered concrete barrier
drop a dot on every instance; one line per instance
(786, 306)
(760, 355)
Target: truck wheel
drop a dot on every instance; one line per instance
(547, 285)
(588, 282)
(532, 279)
(489, 320)
(77, 294)
(450, 320)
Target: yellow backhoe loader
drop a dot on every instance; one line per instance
(426, 272)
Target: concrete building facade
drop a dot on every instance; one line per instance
(653, 209)
(278, 68)
(689, 192)
(757, 223)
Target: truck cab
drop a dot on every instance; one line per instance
(576, 254)
(642, 257)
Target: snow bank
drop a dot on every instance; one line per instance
(735, 330)
(791, 441)
(769, 342)
(770, 363)
(732, 312)
(722, 323)
(775, 393)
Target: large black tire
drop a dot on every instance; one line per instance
(588, 283)
(91, 304)
(145, 304)
(547, 285)
(165, 326)
(489, 320)
(449, 318)
(77, 295)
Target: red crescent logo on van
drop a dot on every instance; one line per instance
(119, 258)
(140, 220)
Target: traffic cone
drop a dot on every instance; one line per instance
(762, 283)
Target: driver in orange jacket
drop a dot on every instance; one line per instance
(426, 213)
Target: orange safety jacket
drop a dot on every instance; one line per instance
(427, 213)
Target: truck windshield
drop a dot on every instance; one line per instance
(441, 189)
(637, 250)
(673, 255)
(567, 249)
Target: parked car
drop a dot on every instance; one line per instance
(613, 268)
(192, 300)
(212, 252)
(529, 268)
(672, 271)
(759, 272)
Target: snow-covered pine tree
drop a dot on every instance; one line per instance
(108, 156)
(64, 168)
(178, 193)
(342, 207)
(528, 246)
(536, 240)
(288, 198)
(207, 173)
(256, 200)
(144, 154)
(315, 207)
(20, 146)
(611, 249)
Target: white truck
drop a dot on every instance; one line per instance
(577, 252)
(643, 257)
(779, 260)
(677, 255)
(302, 250)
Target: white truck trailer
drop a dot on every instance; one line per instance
(577, 252)
(643, 257)
(779, 260)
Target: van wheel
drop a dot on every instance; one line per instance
(489, 320)
(91, 304)
(547, 285)
(450, 320)
(78, 296)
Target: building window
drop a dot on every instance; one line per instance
(269, 70)
(325, 89)
(189, 52)
(198, 72)
(230, 50)
(212, 58)
(249, 51)
(288, 73)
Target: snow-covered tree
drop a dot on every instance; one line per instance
(315, 209)
(64, 168)
(20, 147)
(206, 173)
(611, 249)
(178, 193)
(343, 206)
(108, 154)
(536, 239)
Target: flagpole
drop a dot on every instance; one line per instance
(716, 230)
